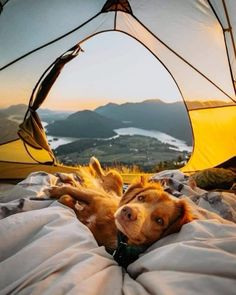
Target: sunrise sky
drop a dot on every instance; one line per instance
(112, 68)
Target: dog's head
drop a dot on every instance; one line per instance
(147, 213)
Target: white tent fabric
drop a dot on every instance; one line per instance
(222, 8)
(194, 40)
(175, 23)
(171, 22)
(197, 88)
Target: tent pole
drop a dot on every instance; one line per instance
(229, 27)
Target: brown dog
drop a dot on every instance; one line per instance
(94, 201)
(147, 213)
(144, 214)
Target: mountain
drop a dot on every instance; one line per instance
(13, 110)
(50, 115)
(9, 131)
(14, 113)
(10, 118)
(84, 124)
(170, 118)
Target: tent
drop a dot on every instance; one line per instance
(194, 40)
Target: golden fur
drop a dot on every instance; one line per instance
(145, 213)
(94, 201)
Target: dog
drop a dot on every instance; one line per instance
(95, 200)
(145, 213)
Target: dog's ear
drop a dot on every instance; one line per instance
(183, 215)
(113, 181)
(95, 167)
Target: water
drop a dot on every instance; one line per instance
(179, 145)
(56, 141)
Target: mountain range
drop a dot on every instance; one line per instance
(13, 115)
(170, 118)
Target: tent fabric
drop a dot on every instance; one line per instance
(51, 77)
(2, 3)
(225, 11)
(32, 132)
(23, 153)
(211, 137)
(198, 87)
(194, 41)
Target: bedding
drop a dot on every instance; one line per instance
(45, 249)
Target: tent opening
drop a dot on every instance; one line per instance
(119, 104)
(198, 57)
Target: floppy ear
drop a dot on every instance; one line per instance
(183, 216)
(113, 181)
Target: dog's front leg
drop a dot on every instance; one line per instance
(78, 193)
(56, 191)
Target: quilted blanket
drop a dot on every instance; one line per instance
(44, 249)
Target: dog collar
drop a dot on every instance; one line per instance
(126, 254)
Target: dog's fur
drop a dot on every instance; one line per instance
(94, 200)
(145, 213)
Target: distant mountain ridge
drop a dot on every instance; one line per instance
(48, 115)
(13, 110)
(84, 124)
(170, 118)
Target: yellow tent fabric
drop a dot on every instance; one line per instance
(214, 137)
(194, 40)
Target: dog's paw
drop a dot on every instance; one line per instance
(54, 191)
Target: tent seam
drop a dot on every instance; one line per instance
(226, 47)
(183, 59)
(49, 43)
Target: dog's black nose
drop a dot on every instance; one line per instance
(128, 213)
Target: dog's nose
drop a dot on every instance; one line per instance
(128, 214)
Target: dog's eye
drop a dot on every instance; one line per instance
(159, 220)
(141, 198)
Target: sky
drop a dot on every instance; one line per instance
(112, 68)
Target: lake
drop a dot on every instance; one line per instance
(179, 145)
